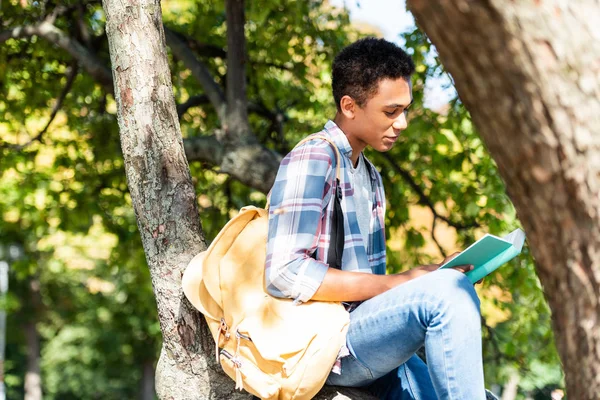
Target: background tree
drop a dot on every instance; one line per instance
(64, 191)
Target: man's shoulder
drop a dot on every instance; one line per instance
(315, 147)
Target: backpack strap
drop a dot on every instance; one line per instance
(337, 236)
(337, 160)
(337, 152)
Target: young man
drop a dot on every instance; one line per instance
(391, 316)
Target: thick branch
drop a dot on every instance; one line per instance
(203, 49)
(253, 165)
(199, 71)
(237, 127)
(204, 149)
(89, 61)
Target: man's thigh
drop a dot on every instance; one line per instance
(386, 330)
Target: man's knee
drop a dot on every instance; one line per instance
(456, 290)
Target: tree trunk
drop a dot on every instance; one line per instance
(33, 377)
(147, 382)
(529, 73)
(3, 290)
(236, 127)
(163, 198)
(162, 194)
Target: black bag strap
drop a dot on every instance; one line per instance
(337, 236)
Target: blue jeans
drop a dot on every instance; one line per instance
(439, 309)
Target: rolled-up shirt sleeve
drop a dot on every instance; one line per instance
(298, 199)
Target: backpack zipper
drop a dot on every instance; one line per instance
(241, 335)
(222, 328)
(233, 359)
(237, 365)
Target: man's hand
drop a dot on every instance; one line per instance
(459, 267)
(424, 269)
(433, 267)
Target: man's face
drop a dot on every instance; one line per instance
(379, 122)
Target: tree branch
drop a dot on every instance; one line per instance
(205, 149)
(423, 199)
(277, 118)
(439, 246)
(71, 75)
(199, 71)
(82, 28)
(257, 173)
(251, 164)
(202, 49)
(212, 51)
(89, 61)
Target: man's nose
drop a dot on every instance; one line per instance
(400, 123)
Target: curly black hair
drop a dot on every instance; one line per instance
(359, 67)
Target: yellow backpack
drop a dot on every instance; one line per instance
(271, 347)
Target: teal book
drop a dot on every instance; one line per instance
(489, 253)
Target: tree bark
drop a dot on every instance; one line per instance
(161, 189)
(236, 126)
(163, 198)
(33, 376)
(147, 382)
(529, 73)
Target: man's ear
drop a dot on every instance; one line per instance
(348, 107)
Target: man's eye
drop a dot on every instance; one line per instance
(390, 113)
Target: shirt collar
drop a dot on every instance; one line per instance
(339, 138)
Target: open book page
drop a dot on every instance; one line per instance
(516, 238)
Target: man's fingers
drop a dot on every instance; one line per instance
(464, 268)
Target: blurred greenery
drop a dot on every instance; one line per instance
(80, 273)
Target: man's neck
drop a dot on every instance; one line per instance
(357, 145)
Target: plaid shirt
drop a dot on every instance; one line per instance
(301, 205)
